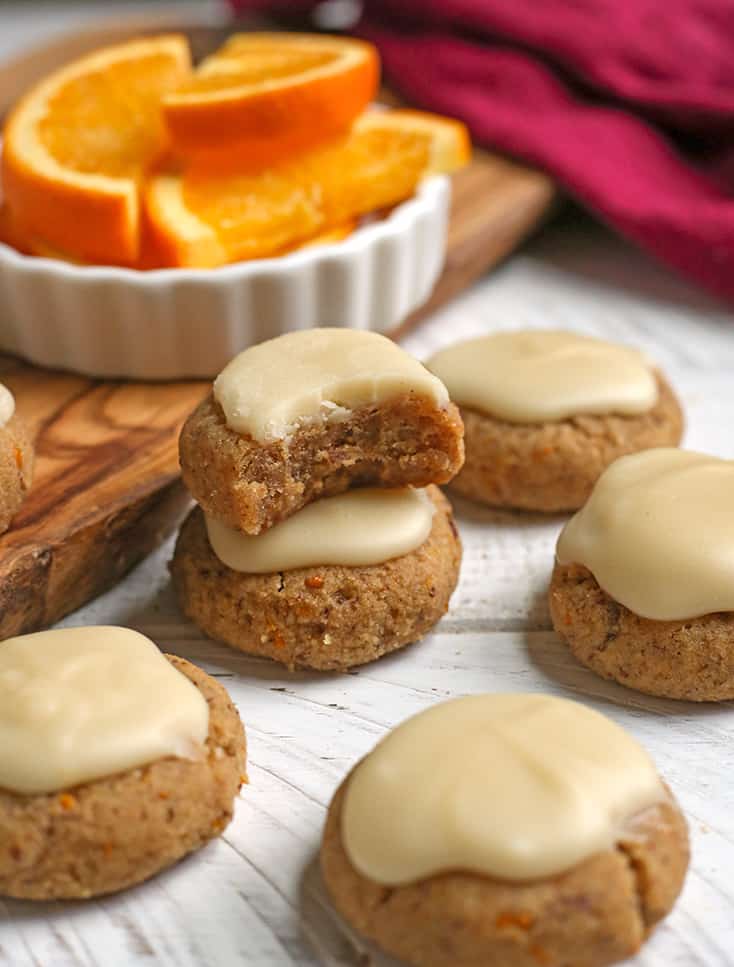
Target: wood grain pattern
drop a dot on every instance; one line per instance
(251, 897)
(106, 489)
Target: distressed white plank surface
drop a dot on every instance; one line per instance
(240, 899)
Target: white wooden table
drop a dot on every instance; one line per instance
(240, 900)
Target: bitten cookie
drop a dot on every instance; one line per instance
(310, 414)
(64, 836)
(16, 459)
(643, 586)
(512, 830)
(546, 412)
(326, 616)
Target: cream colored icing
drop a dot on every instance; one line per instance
(511, 786)
(359, 527)
(79, 704)
(657, 533)
(7, 404)
(532, 376)
(271, 389)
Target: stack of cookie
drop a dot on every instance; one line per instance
(321, 539)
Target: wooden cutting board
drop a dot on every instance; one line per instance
(107, 489)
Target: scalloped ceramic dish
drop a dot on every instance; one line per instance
(186, 323)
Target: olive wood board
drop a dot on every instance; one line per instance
(107, 488)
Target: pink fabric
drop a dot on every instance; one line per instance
(628, 103)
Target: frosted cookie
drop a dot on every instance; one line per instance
(310, 414)
(546, 411)
(512, 830)
(343, 581)
(115, 761)
(643, 586)
(16, 459)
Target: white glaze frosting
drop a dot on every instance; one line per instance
(538, 376)
(360, 527)
(271, 389)
(517, 787)
(657, 533)
(79, 704)
(7, 404)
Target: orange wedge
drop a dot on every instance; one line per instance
(149, 258)
(206, 219)
(77, 145)
(9, 233)
(450, 143)
(336, 234)
(265, 96)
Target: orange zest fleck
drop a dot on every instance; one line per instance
(67, 801)
(315, 581)
(541, 453)
(513, 918)
(278, 639)
(540, 955)
(18, 458)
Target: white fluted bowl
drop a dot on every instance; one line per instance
(181, 323)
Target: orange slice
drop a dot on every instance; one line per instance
(449, 139)
(149, 258)
(206, 219)
(331, 235)
(9, 233)
(264, 96)
(76, 146)
(182, 237)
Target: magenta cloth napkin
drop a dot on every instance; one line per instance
(629, 104)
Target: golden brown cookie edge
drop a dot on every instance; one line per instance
(595, 914)
(692, 659)
(551, 467)
(326, 617)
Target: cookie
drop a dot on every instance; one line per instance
(102, 836)
(692, 659)
(595, 914)
(550, 463)
(597, 911)
(16, 468)
(325, 617)
(325, 410)
(643, 586)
